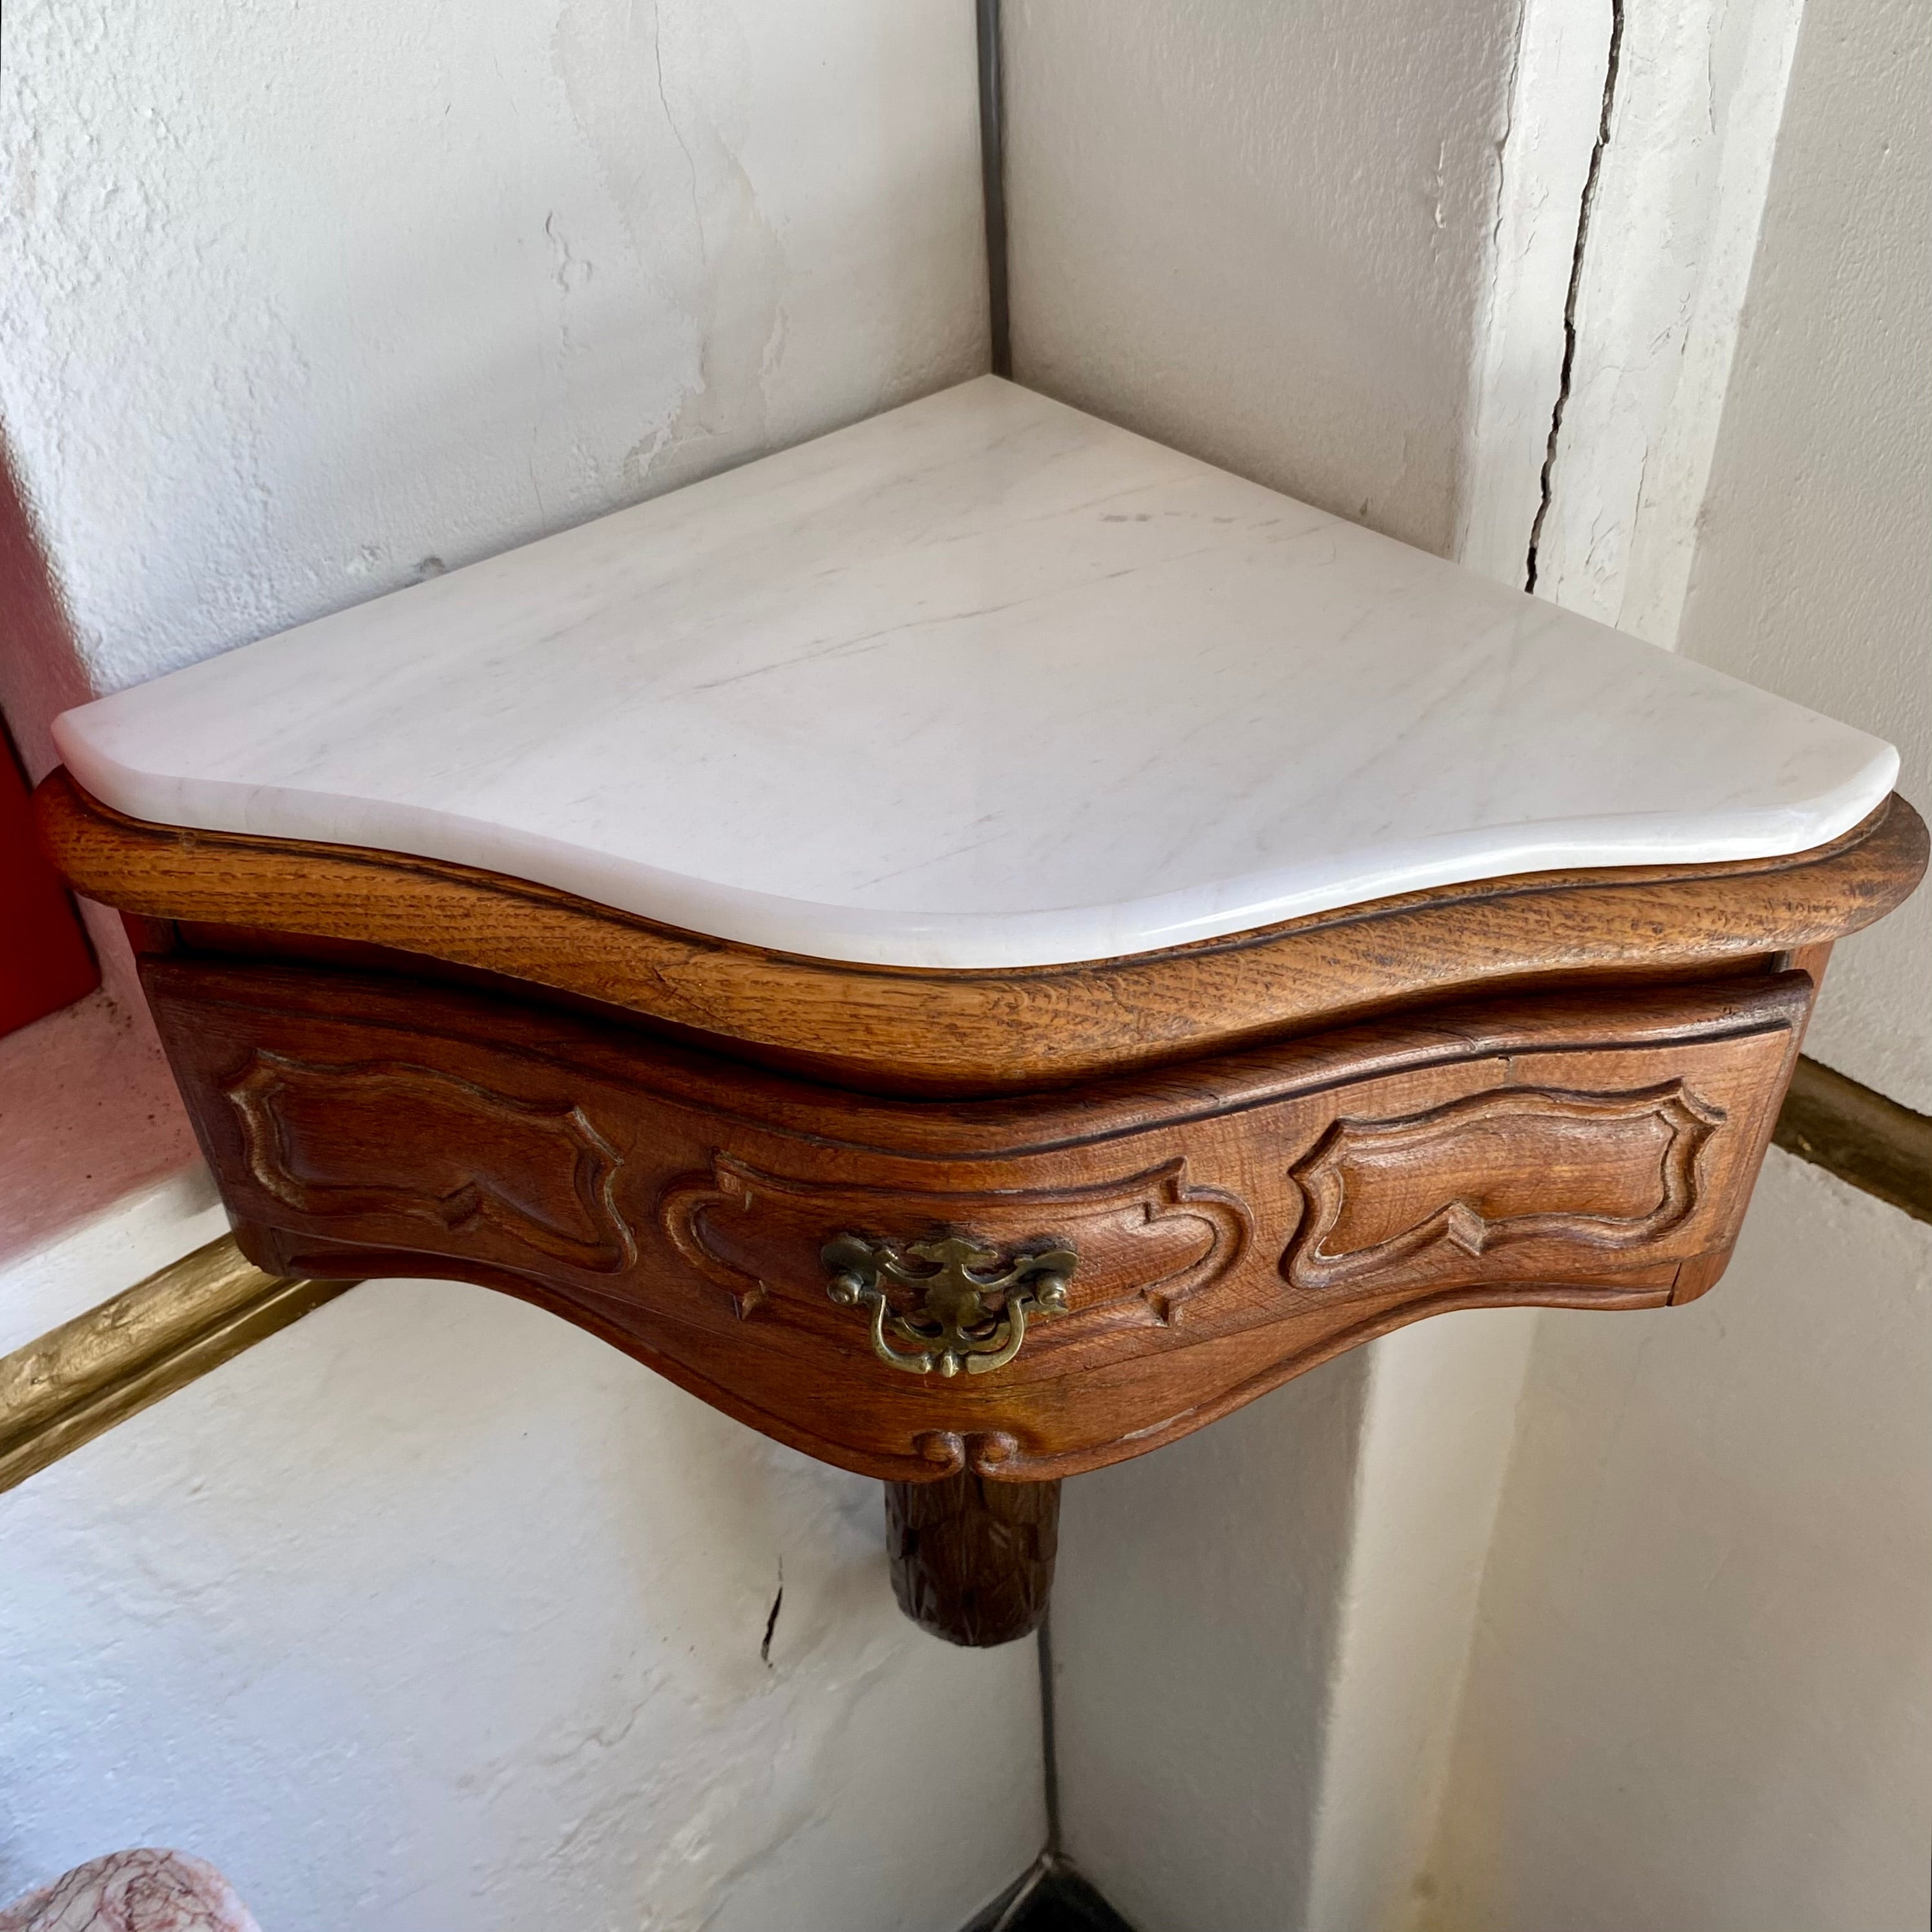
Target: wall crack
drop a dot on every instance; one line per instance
(1585, 206)
(772, 1622)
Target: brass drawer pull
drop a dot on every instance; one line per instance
(968, 1315)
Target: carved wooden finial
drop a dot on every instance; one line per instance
(972, 1561)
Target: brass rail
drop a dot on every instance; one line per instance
(1861, 1136)
(67, 1386)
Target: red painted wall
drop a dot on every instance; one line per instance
(88, 1113)
(45, 962)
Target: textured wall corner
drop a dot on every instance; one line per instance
(1262, 233)
(302, 304)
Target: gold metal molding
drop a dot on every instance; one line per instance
(72, 1384)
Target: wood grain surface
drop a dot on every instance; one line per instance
(972, 1561)
(1237, 1218)
(897, 1030)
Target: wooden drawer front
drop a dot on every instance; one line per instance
(1234, 1221)
(1145, 1241)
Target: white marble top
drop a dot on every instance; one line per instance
(983, 682)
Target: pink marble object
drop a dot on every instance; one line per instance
(145, 1891)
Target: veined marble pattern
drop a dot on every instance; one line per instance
(984, 682)
(145, 1891)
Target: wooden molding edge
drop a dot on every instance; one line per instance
(1866, 1138)
(955, 1033)
(66, 1387)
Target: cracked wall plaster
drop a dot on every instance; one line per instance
(1674, 222)
(1540, 167)
(434, 1614)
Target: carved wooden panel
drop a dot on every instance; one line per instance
(1236, 1220)
(1510, 1180)
(323, 1138)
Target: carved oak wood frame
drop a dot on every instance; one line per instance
(1554, 1089)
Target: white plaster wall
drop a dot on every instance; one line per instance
(1701, 1694)
(1262, 233)
(1258, 1634)
(1194, 1639)
(432, 1614)
(1439, 1425)
(298, 302)
(1813, 571)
